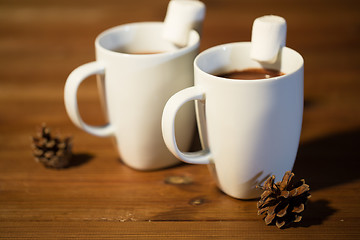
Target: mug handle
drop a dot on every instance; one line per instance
(70, 98)
(168, 125)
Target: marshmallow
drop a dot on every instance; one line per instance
(268, 37)
(181, 17)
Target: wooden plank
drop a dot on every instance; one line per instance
(98, 197)
(173, 230)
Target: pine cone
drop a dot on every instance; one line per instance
(283, 202)
(53, 152)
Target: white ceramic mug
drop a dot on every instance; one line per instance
(250, 129)
(136, 88)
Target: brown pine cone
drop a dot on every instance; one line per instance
(53, 152)
(283, 202)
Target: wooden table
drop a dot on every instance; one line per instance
(98, 197)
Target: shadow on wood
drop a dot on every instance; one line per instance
(329, 161)
(79, 159)
(315, 214)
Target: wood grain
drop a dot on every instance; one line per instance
(98, 197)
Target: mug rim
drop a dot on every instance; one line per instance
(226, 46)
(194, 41)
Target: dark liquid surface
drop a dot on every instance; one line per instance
(121, 50)
(146, 53)
(252, 74)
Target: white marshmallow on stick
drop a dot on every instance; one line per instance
(267, 38)
(181, 17)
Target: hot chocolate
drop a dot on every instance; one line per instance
(252, 74)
